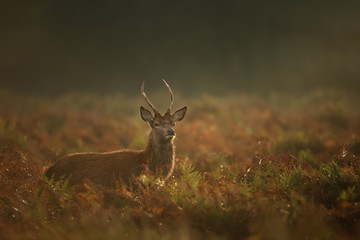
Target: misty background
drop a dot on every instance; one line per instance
(53, 47)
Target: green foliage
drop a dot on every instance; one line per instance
(62, 188)
(189, 175)
(331, 172)
(7, 131)
(348, 195)
(293, 143)
(293, 180)
(259, 180)
(57, 195)
(305, 156)
(183, 191)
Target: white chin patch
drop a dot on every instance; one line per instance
(170, 136)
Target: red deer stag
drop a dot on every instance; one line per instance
(103, 168)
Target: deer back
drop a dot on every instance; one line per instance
(102, 168)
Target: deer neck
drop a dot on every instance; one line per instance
(160, 156)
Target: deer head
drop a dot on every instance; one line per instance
(162, 125)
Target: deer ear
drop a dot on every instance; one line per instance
(179, 114)
(146, 115)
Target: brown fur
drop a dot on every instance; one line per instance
(104, 168)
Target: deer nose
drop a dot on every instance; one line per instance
(171, 131)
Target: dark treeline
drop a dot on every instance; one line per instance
(53, 47)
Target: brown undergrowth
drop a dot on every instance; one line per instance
(248, 167)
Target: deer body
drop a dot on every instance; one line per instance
(104, 168)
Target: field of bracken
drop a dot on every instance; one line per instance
(277, 166)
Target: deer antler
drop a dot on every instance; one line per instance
(171, 96)
(147, 99)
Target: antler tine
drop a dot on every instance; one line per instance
(171, 96)
(147, 99)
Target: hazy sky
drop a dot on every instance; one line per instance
(51, 47)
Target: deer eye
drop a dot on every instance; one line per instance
(156, 124)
